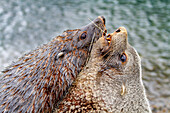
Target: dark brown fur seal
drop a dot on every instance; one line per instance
(37, 81)
(111, 81)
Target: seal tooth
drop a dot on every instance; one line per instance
(109, 42)
(109, 39)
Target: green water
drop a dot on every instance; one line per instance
(26, 24)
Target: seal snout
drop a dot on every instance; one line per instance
(100, 20)
(121, 31)
(103, 19)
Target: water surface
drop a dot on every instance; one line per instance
(26, 24)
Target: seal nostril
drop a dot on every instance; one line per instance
(118, 30)
(104, 34)
(105, 30)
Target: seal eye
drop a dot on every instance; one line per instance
(123, 57)
(83, 35)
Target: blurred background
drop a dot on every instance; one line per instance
(26, 24)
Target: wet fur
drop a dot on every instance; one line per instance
(39, 79)
(106, 84)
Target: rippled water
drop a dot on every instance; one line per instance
(25, 24)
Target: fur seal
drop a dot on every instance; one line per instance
(39, 79)
(110, 82)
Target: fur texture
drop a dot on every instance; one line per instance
(39, 79)
(109, 82)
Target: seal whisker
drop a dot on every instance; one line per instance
(91, 44)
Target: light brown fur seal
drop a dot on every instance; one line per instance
(110, 82)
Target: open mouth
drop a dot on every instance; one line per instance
(108, 38)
